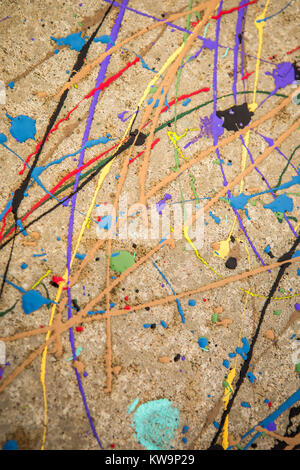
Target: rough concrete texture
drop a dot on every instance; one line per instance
(195, 385)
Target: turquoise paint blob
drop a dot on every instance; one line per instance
(74, 40)
(155, 424)
(22, 128)
(281, 204)
(132, 406)
(10, 445)
(105, 39)
(32, 300)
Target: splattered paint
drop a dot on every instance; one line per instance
(123, 126)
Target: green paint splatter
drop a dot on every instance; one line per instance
(155, 424)
(133, 405)
(277, 312)
(121, 260)
(297, 367)
(8, 310)
(215, 317)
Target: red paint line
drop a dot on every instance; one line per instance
(226, 12)
(102, 86)
(77, 170)
(293, 50)
(247, 75)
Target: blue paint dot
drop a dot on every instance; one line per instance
(244, 404)
(11, 85)
(184, 439)
(192, 302)
(24, 265)
(185, 429)
(226, 363)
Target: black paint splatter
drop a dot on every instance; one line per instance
(231, 263)
(236, 117)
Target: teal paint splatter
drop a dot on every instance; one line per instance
(132, 406)
(155, 424)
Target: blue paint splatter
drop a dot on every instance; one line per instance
(186, 102)
(32, 300)
(11, 85)
(244, 350)
(22, 128)
(74, 40)
(226, 363)
(244, 404)
(192, 302)
(251, 377)
(10, 445)
(281, 204)
(203, 343)
(214, 217)
(80, 256)
(104, 39)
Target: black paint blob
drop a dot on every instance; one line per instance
(236, 117)
(231, 263)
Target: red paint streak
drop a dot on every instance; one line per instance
(102, 86)
(247, 75)
(293, 50)
(94, 159)
(194, 23)
(127, 307)
(57, 279)
(141, 153)
(183, 97)
(269, 404)
(226, 12)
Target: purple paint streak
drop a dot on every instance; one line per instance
(179, 28)
(267, 183)
(239, 27)
(216, 138)
(100, 79)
